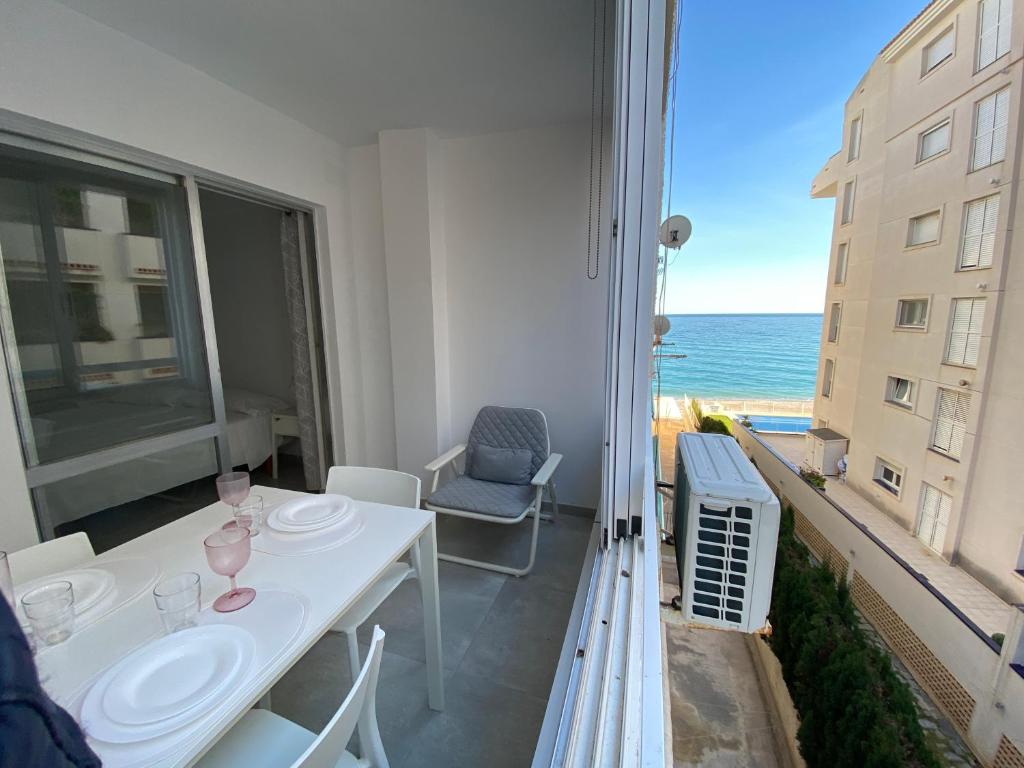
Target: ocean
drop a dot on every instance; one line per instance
(770, 357)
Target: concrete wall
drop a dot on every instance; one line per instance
(953, 663)
(243, 251)
(65, 68)
(897, 104)
(522, 325)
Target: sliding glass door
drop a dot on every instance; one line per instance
(103, 334)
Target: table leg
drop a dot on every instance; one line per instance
(431, 616)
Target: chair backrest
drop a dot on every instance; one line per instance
(383, 486)
(50, 557)
(358, 708)
(500, 427)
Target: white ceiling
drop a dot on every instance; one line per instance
(350, 68)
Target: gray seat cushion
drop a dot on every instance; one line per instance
(472, 495)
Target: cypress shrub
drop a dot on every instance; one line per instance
(855, 711)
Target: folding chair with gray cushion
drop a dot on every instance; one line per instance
(509, 465)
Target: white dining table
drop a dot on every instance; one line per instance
(326, 582)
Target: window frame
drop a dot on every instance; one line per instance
(926, 70)
(920, 517)
(842, 258)
(857, 120)
(890, 389)
(895, 488)
(971, 167)
(945, 122)
(937, 212)
(932, 446)
(978, 65)
(927, 313)
(949, 331)
(997, 196)
(828, 365)
(849, 191)
(835, 313)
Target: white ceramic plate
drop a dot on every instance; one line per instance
(309, 514)
(167, 683)
(90, 585)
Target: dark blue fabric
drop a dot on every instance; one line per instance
(33, 730)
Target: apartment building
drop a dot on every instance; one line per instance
(922, 365)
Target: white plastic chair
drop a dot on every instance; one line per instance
(383, 486)
(50, 557)
(262, 739)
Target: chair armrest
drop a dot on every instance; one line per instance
(543, 476)
(450, 455)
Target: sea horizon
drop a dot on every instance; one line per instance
(741, 356)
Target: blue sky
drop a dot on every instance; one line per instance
(759, 109)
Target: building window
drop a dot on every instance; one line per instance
(153, 322)
(826, 378)
(912, 313)
(934, 141)
(141, 217)
(991, 116)
(899, 391)
(933, 519)
(979, 238)
(950, 422)
(888, 476)
(69, 208)
(842, 253)
(923, 229)
(993, 30)
(847, 216)
(855, 129)
(966, 319)
(84, 302)
(833, 321)
(937, 51)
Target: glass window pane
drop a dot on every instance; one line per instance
(105, 338)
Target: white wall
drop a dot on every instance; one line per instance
(243, 251)
(527, 328)
(65, 68)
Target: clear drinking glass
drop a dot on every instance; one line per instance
(51, 611)
(227, 552)
(178, 600)
(249, 514)
(6, 582)
(233, 487)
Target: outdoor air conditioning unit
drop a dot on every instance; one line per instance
(726, 529)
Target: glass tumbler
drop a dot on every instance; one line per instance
(249, 514)
(51, 612)
(178, 600)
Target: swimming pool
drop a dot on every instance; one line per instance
(794, 424)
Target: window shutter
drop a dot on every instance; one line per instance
(967, 319)
(951, 421)
(1003, 35)
(833, 323)
(988, 32)
(847, 216)
(1002, 119)
(855, 128)
(979, 241)
(938, 51)
(929, 514)
(923, 229)
(826, 378)
(984, 122)
(934, 141)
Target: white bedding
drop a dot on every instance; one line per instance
(250, 438)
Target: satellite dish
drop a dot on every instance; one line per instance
(675, 231)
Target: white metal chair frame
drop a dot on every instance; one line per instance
(541, 481)
(260, 737)
(383, 486)
(52, 556)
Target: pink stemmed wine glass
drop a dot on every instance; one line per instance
(227, 552)
(233, 488)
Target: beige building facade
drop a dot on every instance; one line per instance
(922, 349)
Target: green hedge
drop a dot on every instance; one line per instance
(855, 712)
(719, 425)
